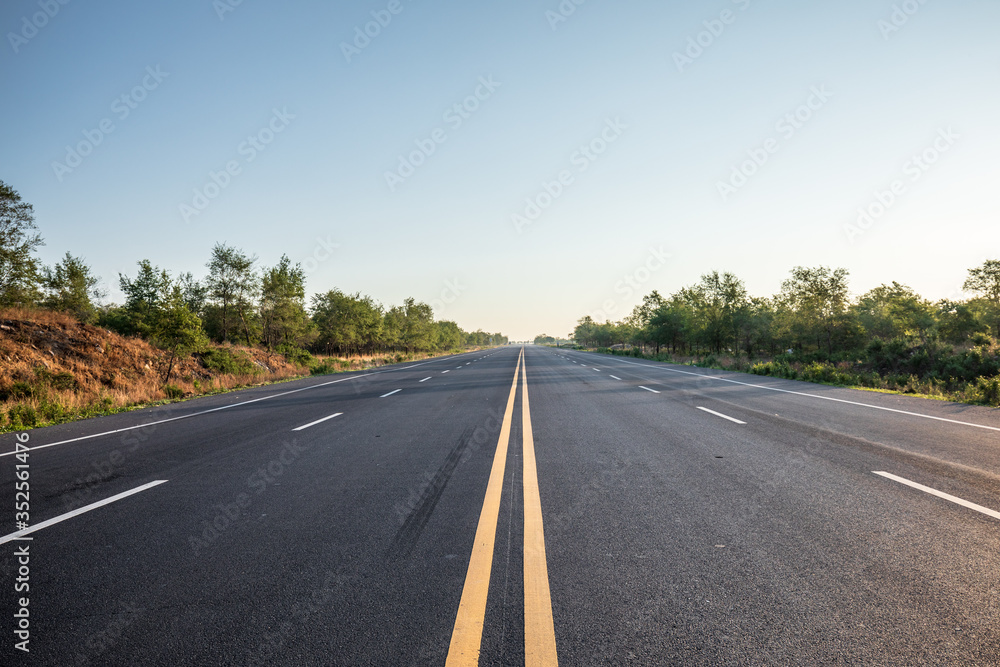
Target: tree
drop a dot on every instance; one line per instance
(283, 314)
(894, 311)
(233, 285)
(671, 323)
(144, 296)
(70, 286)
(818, 297)
(346, 324)
(759, 329)
(585, 331)
(985, 281)
(176, 328)
(194, 293)
(392, 328)
(719, 301)
(19, 268)
(448, 335)
(640, 317)
(957, 321)
(418, 325)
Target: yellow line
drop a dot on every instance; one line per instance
(467, 636)
(539, 629)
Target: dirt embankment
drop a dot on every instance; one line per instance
(53, 367)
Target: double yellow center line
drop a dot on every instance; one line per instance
(539, 629)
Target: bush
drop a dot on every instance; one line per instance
(778, 369)
(707, 362)
(986, 391)
(51, 411)
(173, 391)
(981, 339)
(62, 381)
(117, 320)
(323, 368)
(20, 390)
(296, 355)
(224, 360)
(22, 416)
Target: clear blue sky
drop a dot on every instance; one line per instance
(671, 130)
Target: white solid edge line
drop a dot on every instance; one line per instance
(205, 412)
(614, 376)
(648, 389)
(940, 494)
(394, 391)
(425, 379)
(193, 414)
(825, 398)
(79, 511)
(318, 421)
(719, 414)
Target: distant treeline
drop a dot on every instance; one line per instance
(237, 301)
(890, 333)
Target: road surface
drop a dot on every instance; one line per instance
(511, 506)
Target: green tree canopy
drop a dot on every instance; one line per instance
(985, 282)
(20, 275)
(70, 287)
(233, 286)
(283, 315)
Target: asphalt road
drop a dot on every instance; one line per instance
(638, 513)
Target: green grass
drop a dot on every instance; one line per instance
(983, 391)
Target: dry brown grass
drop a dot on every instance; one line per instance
(58, 367)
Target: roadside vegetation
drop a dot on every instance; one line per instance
(889, 338)
(66, 355)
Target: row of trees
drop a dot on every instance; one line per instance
(813, 313)
(237, 301)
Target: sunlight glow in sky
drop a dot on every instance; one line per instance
(517, 165)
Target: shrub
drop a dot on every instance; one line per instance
(708, 362)
(778, 369)
(323, 368)
(224, 360)
(62, 381)
(986, 391)
(22, 416)
(980, 339)
(21, 390)
(296, 355)
(52, 411)
(173, 391)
